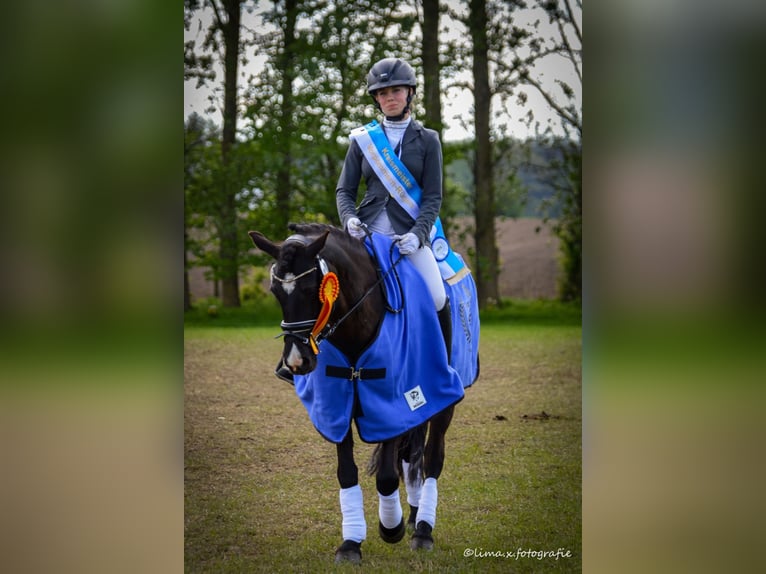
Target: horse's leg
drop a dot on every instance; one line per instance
(391, 523)
(414, 488)
(412, 470)
(434, 462)
(354, 527)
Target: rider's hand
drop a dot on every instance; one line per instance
(408, 243)
(356, 228)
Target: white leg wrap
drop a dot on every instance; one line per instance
(413, 488)
(352, 509)
(389, 509)
(428, 499)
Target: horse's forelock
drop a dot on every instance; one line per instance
(288, 253)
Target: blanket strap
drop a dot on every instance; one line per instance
(350, 374)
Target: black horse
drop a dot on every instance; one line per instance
(417, 456)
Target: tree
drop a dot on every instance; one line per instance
(227, 228)
(567, 40)
(286, 59)
(226, 26)
(201, 167)
(432, 86)
(521, 66)
(281, 161)
(431, 66)
(480, 54)
(193, 139)
(487, 264)
(568, 228)
(311, 93)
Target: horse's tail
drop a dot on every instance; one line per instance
(411, 448)
(374, 464)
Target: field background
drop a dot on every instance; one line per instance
(260, 488)
(527, 249)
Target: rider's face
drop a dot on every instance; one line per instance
(392, 100)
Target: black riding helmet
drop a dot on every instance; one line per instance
(391, 72)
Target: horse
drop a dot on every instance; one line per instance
(303, 261)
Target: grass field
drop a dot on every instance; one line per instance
(260, 488)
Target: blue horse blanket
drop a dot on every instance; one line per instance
(464, 304)
(402, 379)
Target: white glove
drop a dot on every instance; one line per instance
(356, 228)
(408, 243)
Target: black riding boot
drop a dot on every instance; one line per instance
(445, 322)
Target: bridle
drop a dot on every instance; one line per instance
(302, 330)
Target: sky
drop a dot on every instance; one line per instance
(457, 104)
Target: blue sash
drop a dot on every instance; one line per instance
(403, 187)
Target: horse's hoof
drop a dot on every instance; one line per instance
(349, 551)
(411, 519)
(422, 539)
(392, 535)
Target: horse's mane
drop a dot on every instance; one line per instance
(353, 247)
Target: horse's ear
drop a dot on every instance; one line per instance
(317, 245)
(262, 243)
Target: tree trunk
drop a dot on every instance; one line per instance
(484, 205)
(229, 251)
(432, 86)
(431, 67)
(285, 136)
(570, 233)
(187, 290)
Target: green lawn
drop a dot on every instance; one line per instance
(260, 488)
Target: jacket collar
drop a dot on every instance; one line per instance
(413, 131)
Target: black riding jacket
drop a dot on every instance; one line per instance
(421, 152)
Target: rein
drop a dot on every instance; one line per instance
(377, 283)
(298, 328)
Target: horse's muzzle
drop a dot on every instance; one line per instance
(298, 357)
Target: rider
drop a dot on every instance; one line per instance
(391, 82)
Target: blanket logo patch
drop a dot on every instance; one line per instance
(415, 398)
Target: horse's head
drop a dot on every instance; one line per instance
(295, 281)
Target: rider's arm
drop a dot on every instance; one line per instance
(348, 183)
(431, 200)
